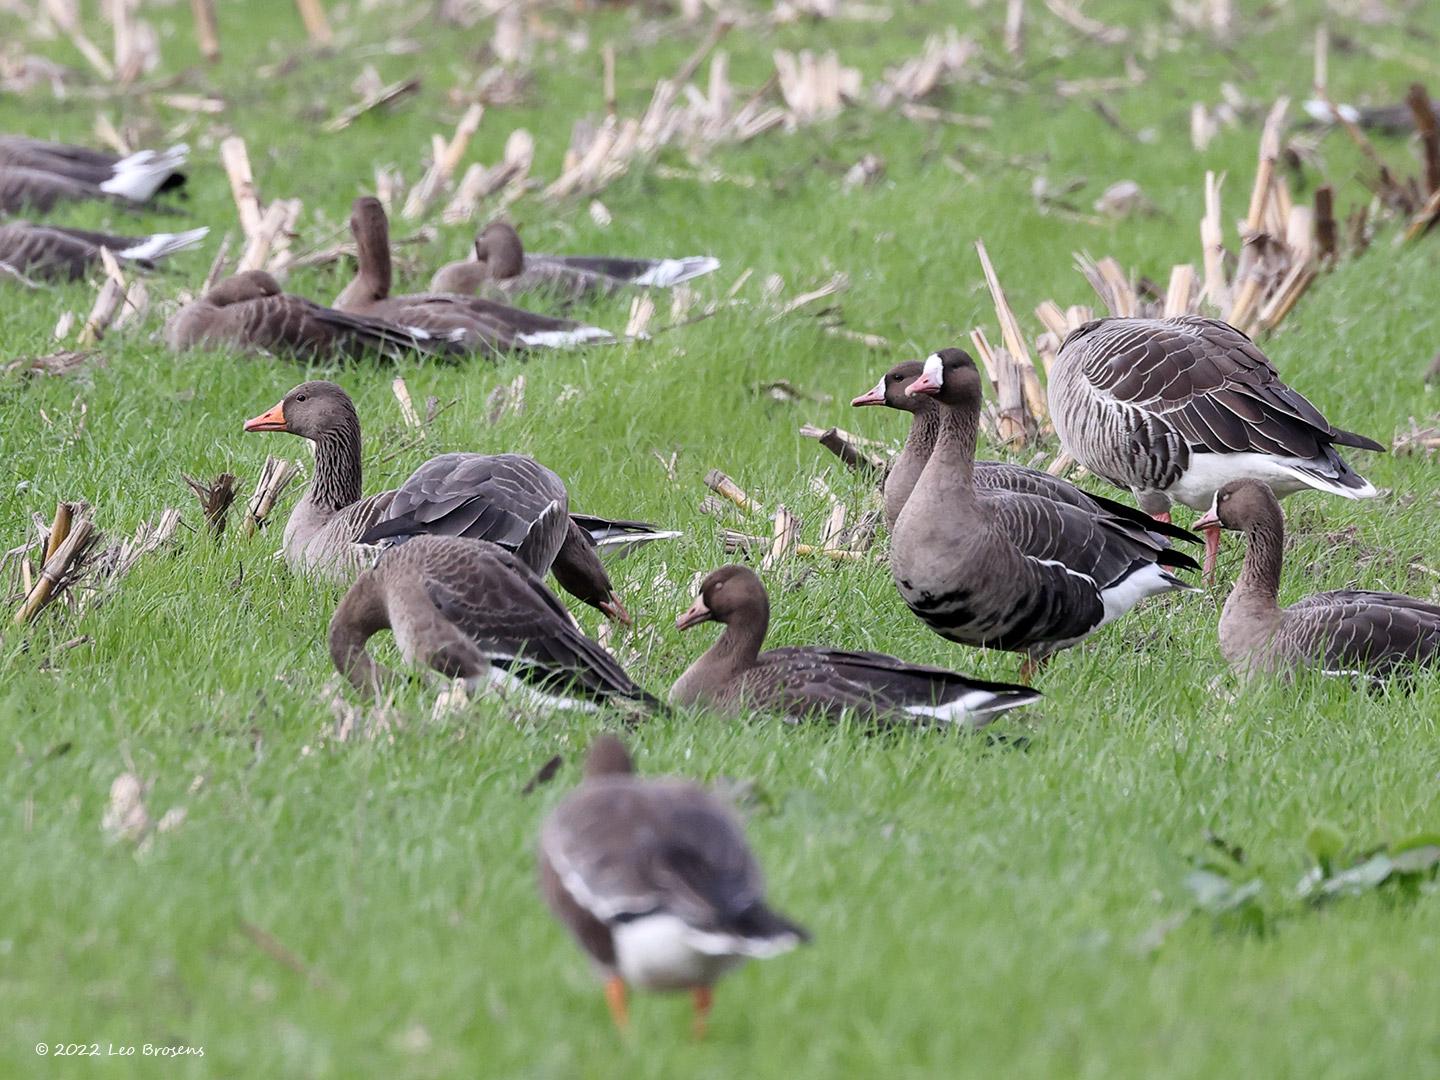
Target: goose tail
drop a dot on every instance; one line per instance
(560, 339)
(162, 244)
(668, 272)
(139, 176)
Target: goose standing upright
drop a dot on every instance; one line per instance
(656, 882)
(1009, 571)
(1173, 409)
(1347, 632)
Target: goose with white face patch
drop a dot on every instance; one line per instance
(473, 611)
(799, 682)
(1005, 570)
(1349, 632)
(1173, 409)
(654, 879)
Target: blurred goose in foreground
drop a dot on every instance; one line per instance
(804, 681)
(56, 254)
(927, 416)
(1173, 409)
(501, 263)
(251, 313)
(473, 611)
(36, 175)
(1012, 571)
(486, 326)
(1391, 119)
(508, 499)
(656, 882)
(1347, 632)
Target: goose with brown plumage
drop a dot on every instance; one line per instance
(1171, 410)
(1009, 571)
(474, 611)
(485, 326)
(251, 313)
(36, 175)
(1350, 632)
(508, 499)
(811, 680)
(502, 264)
(654, 879)
(926, 421)
(52, 253)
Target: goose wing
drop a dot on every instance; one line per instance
(1353, 630)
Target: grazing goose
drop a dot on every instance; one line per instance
(36, 175)
(249, 312)
(925, 427)
(656, 882)
(1010, 571)
(473, 611)
(56, 254)
(1172, 409)
(803, 681)
(487, 326)
(1347, 632)
(501, 263)
(508, 499)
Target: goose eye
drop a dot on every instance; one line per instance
(301, 397)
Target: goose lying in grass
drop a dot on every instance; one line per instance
(654, 879)
(1347, 632)
(36, 175)
(51, 253)
(812, 680)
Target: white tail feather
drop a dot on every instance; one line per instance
(557, 339)
(162, 244)
(668, 272)
(1321, 111)
(139, 176)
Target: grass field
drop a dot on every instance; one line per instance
(978, 911)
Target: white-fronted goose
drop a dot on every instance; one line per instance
(55, 254)
(251, 313)
(502, 263)
(1009, 571)
(1173, 409)
(508, 499)
(36, 175)
(473, 611)
(487, 326)
(926, 415)
(1347, 632)
(812, 680)
(656, 882)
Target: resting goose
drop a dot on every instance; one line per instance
(655, 881)
(473, 611)
(1010, 571)
(501, 263)
(56, 254)
(251, 313)
(36, 175)
(487, 326)
(925, 427)
(803, 681)
(1173, 409)
(1347, 632)
(507, 499)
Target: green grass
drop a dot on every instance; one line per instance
(977, 911)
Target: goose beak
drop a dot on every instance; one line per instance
(1210, 520)
(615, 611)
(925, 384)
(696, 614)
(273, 420)
(875, 396)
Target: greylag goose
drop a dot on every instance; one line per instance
(925, 426)
(487, 326)
(251, 313)
(507, 499)
(655, 881)
(55, 254)
(1348, 632)
(1173, 409)
(502, 263)
(473, 611)
(36, 175)
(1010, 571)
(803, 681)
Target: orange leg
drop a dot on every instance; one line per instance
(615, 998)
(704, 997)
(1212, 551)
